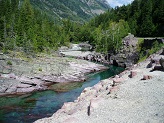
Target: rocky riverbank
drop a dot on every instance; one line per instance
(135, 95)
(19, 76)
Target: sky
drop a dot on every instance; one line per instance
(114, 3)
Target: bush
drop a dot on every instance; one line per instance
(145, 52)
(9, 63)
(40, 69)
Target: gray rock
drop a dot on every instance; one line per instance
(97, 87)
(11, 89)
(150, 65)
(127, 56)
(3, 89)
(157, 58)
(24, 85)
(71, 120)
(29, 83)
(130, 40)
(49, 78)
(12, 75)
(25, 90)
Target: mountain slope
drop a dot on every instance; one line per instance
(76, 10)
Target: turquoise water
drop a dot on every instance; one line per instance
(28, 108)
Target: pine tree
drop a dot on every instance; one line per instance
(147, 26)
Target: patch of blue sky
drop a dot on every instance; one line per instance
(114, 3)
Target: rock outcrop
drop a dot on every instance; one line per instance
(128, 98)
(41, 73)
(127, 56)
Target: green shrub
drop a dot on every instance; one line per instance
(146, 52)
(40, 69)
(140, 42)
(9, 63)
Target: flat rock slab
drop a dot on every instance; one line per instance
(24, 86)
(25, 90)
(29, 83)
(3, 89)
(11, 89)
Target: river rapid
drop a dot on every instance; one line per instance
(30, 107)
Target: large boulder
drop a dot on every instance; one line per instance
(127, 55)
(130, 40)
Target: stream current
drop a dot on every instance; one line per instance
(28, 108)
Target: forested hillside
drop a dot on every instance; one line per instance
(145, 17)
(76, 10)
(24, 28)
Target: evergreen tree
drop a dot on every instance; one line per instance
(147, 26)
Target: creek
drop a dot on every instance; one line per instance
(28, 108)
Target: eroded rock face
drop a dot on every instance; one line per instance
(128, 55)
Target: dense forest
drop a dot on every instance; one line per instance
(21, 26)
(24, 28)
(145, 17)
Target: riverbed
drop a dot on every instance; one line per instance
(28, 108)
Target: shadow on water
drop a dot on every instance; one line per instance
(28, 108)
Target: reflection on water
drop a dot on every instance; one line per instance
(28, 108)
